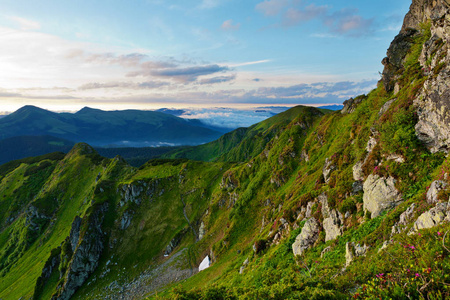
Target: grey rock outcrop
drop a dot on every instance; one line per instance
(380, 194)
(174, 243)
(385, 107)
(309, 207)
(74, 235)
(307, 237)
(86, 256)
(433, 100)
(435, 187)
(333, 225)
(350, 105)
(132, 193)
(404, 219)
(332, 219)
(125, 222)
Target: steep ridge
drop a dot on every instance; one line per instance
(245, 143)
(356, 204)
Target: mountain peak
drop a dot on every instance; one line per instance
(88, 109)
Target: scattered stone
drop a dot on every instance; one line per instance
(327, 169)
(384, 246)
(201, 231)
(304, 155)
(380, 194)
(307, 237)
(371, 143)
(357, 187)
(327, 249)
(358, 173)
(396, 157)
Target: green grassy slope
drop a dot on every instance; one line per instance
(249, 212)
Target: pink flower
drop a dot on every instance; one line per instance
(439, 233)
(417, 275)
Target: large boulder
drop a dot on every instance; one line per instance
(433, 217)
(307, 237)
(380, 194)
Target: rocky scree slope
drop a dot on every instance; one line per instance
(349, 204)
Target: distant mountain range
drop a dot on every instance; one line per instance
(100, 128)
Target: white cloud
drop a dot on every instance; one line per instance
(25, 24)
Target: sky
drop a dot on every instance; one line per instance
(147, 54)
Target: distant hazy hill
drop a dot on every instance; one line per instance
(26, 146)
(99, 127)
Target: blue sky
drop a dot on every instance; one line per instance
(146, 54)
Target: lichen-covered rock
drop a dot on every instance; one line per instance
(435, 187)
(380, 194)
(307, 237)
(431, 218)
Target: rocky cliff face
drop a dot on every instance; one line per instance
(84, 247)
(433, 100)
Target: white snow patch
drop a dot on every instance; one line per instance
(204, 264)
